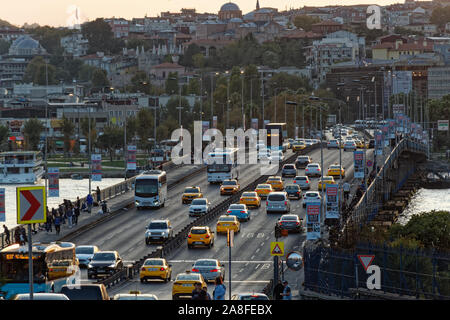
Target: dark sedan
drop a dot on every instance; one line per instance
(290, 222)
(104, 263)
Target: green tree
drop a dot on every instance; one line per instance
(99, 35)
(140, 83)
(198, 60)
(440, 16)
(68, 129)
(111, 139)
(305, 22)
(37, 72)
(131, 128)
(439, 109)
(50, 37)
(187, 59)
(144, 127)
(4, 46)
(4, 134)
(100, 78)
(32, 130)
(172, 83)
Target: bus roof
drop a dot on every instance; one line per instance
(151, 174)
(276, 124)
(39, 247)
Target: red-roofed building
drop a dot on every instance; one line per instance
(325, 27)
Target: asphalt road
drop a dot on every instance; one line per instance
(252, 265)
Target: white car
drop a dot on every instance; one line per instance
(276, 156)
(333, 144)
(303, 182)
(311, 197)
(199, 206)
(313, 169)
(349, 145)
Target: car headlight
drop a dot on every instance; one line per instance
(112, 265)
(137, 202)
(90, 266)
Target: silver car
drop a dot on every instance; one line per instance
(278, 202)
(85, 253)
(311, 197)
(288, 170)
(303, 182)
(210, 269)
(313, 169)
(158, 230)
(199, 206)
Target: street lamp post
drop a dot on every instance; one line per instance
(242, 100)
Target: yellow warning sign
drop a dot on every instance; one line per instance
(277, 248)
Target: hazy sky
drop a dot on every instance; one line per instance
(59, 12)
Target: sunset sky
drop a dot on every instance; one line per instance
(58, 12)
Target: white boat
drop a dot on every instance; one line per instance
(21, 167)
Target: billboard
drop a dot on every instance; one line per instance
(2, 205)
(358, 157)
(313, 221)
(131, 157)
(402, 82)
(96, 160)
(53, 182)
(332, 198)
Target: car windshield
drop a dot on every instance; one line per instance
(289, 218)
(276, 197)
(262, 186)
(302, 158)
(201, 263)
(229, 183)
(198, 231)
(313, 166)
(334, 167)
(198, 202)
(187, 277)
(312, 195)
(237, 207)
(249, 194)
(157, 225)
(289, 166)
(82, 293)
(301, 178)
(226, 218)
(191, 190)
(84, 250)
(292, 187)
(104, 256)
(274, 179)
(154, 263)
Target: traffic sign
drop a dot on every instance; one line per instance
(31, 205)
(366, 260)
(230, 238)
(369, 163)
(277, 248)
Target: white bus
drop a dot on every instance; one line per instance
(222, 165)
(150, 189)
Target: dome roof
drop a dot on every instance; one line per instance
(229, 7)
(25, 42)
(236, 20)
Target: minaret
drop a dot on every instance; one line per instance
(257, 4)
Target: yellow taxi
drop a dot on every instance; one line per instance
(155, 268)
(191, 193)
(250, 198)
(326, 180)
(334, 169)
(297, 146)
(229, 187)
(61, 269)
(200, 236)
(276, 182)
(263, 190)
(226, 223)
(184, 284)
(360, 144)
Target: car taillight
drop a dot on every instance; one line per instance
(295, 181)
(162, 269)
(306, 170)
(51, 270)
(242, 211)
(297, 223)
(214, 270)
(285, 203)
(234, 223)
(228, 211)
(207, 236)
(267, 203)
(143, 269)
(298, 192)
(195, 270)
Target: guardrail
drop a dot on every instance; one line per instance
(181, 236)
(362, 211)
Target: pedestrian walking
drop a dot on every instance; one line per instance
(97, 193)
(22, 236)
(346, 188)
(57, 223)
(7, 235)
(78, 202)
(198, 293)
(17, 235)
(49, 223)
(89, 201)
(219, 290)
(278, 290)
(69, 214)
(76, 214)
(287, 295)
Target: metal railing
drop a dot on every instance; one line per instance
(168, 246)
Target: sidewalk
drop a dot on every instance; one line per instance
(116, 205)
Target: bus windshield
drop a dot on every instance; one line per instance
(219, 167)
(146, 187)
(16, 270)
